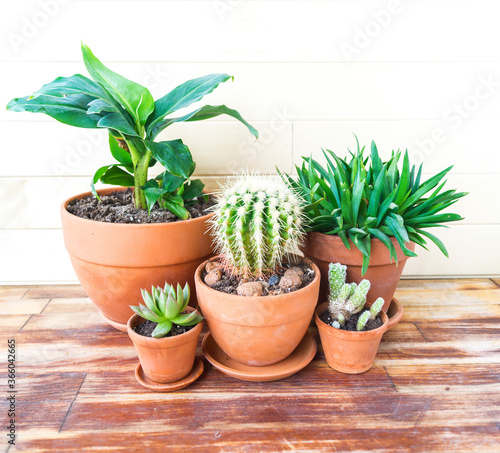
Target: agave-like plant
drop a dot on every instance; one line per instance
(165, 307)
(364, 198)
(134, 120)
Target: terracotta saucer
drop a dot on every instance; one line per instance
(196, 372)
(117, 325)
(297, 360)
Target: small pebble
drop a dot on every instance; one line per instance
(274, 280)
(290, 281)
(250, 289)
(213, 277)
(295, 270)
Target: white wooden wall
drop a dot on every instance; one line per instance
(422, 75)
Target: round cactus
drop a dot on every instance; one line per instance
(257, 222)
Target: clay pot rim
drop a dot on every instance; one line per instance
(251, 299)
(164, 342)
(105, 191)
(347, 334)
(337, 238)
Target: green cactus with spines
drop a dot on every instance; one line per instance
(347, 299)
(362, 320)
(336, 278)
(257, 222)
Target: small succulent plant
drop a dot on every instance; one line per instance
(257, 222)
(347, 299)
(165, 306)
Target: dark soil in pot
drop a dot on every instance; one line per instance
(350, 324)
(118, 207)
(146, 329)
(290, 278)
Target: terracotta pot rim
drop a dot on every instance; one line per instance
(106, 190)
(252, 299)
(164, 342)
(336, 238)
(347, 334)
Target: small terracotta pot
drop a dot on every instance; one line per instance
(168, 359)
(352, 352)
(258, 331)
(383, 275)
(113, 261)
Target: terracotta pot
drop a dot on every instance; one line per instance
(113, 261)
(384, 276)
(351, 352)
(167, 359)
(258, 331)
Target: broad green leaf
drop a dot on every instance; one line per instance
(135, 98)
(174, 156)
(176, 207)
(194, 189)
(117, 122)
(120, 154)
(71, 109)
(99, 106)
(184, 95)
(152, 195)
(117, 176)
(203, 113)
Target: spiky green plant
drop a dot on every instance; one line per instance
(257, 222)
(347, 299)
(363, 198)
(165, 306)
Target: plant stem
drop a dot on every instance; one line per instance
(141, 157)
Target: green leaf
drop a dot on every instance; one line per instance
(193, 189)
(99, 106)
(120, 154)
(203, 113)
(174, 156)
(117, 122)
(187, 319)
(186, 291)
(117, 176)
(170, 182)
(135, 98)
(436, 241)
(162, 329)
(177, 207)
(152, 195)
(184, 95)
(172, 307)
(71, 109)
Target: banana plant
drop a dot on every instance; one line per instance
(133, 119)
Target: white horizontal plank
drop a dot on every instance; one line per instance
(34, 202)
(473, 249)
(297, 91)
(471, 146)
(38, 256)
(34, 256)
(251, 31)
(54, 149)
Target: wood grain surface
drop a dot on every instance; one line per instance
(435, 385)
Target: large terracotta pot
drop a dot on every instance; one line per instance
(384, 276)
(113, 261)
(168, 359)
(351, 352)
(258, 331)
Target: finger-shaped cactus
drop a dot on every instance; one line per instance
(362, 320)
(257, 222)
(347, 299)
(376, 308)
(164, 306)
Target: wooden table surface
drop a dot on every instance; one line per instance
(435, 385)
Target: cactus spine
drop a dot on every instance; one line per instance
(346, 299)
(257, 222)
